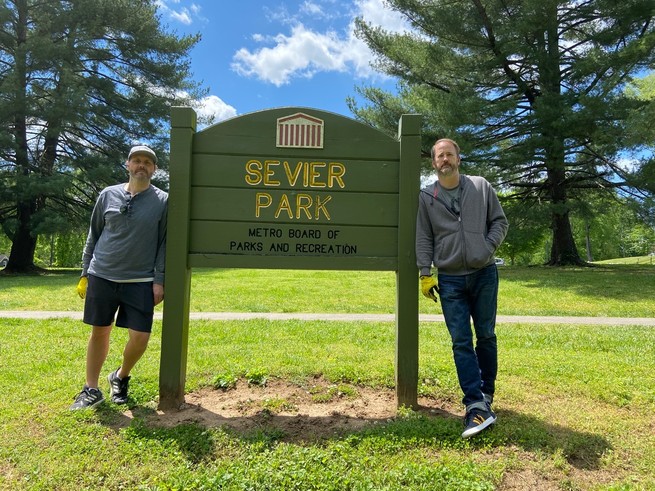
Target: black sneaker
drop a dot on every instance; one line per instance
(87, 399)
(476, 420)
(118, 387)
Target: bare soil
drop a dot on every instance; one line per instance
(308, 413)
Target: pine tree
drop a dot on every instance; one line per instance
(533, 90)
(80, 81)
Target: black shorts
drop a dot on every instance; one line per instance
(134, 302)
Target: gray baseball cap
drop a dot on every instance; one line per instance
(143, 150)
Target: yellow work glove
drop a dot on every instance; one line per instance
(429, 287)
(81, 286)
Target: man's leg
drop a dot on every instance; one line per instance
(134, 350)
(483, 312)
(455, 306)
(136, 313)
(119, 380)
(100, 306)
(96, 353)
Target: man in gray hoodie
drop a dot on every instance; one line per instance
(123, 273)
(460, 225)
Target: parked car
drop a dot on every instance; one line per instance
(500, 261)
(3, 260)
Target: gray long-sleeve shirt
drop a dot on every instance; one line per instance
(127, 236)
(461, 244)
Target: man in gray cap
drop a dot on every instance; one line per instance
(123, 272)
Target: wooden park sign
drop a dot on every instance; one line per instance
(290, 188)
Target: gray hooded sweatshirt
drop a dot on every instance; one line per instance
(464, 243)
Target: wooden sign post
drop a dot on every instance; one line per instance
(290, 188)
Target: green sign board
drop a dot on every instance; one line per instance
(292, 188)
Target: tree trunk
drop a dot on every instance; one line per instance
(563, 251)
(590, 256)
(21, 257)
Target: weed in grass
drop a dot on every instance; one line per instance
(322, 397)
(343, 390)
(225, 381)
(277, 405)
(257, 376)
(327, 394)
(263, 438)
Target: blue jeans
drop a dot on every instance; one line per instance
(472, 296)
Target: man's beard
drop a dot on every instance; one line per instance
(448, 170)
(141, 176)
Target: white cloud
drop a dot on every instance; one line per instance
(305, 52)
(377, 13)
(300, 54)
(312, 8)
(213, 109)
(183, 15)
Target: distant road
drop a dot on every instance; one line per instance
(501, 319)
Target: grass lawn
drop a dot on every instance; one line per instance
(575, 402)
(605, 291)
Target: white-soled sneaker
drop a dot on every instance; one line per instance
(477, 420)
(118, 387)
(88, 398)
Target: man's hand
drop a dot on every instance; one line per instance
(81, 286)
(158, 293)
(429, 287)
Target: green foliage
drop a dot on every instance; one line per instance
(612, 227)
(526, 232)
(332, 392)
(5, 244)
(257, 376)
(225, 381)
(60, 250)
(533, 92)
(640, 127)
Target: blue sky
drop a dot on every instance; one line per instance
(260, 54)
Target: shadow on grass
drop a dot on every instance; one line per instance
(582, 450)
(195, 431)
(191, 439)
(598, 281)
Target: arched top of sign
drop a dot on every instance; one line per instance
(295, 131)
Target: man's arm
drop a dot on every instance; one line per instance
(160, 258)
(95, 229)
(424, 240)
(496, 220)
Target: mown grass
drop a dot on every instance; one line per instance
(606, 291)
(640, 260)
(575, 402)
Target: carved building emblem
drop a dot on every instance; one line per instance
(299, 131)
